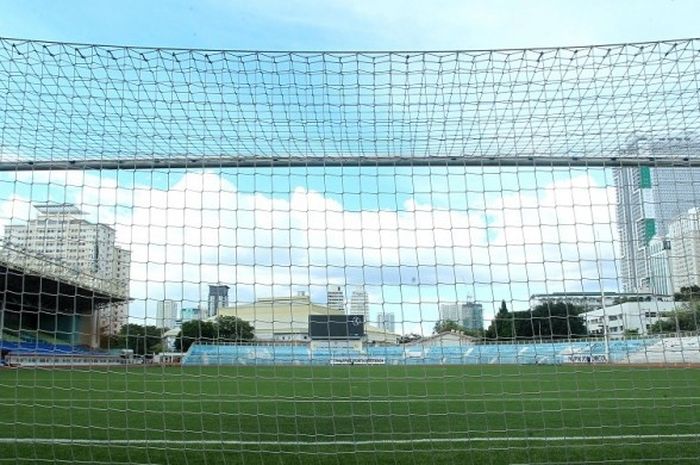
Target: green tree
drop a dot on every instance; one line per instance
(687, 294)
(224, 329)
(683, 319)
(406, 338)
(549, 320)
(192, 331)
(446, 325)
(442, 326)
(141, 339)
(110, 341)
(622, 300)
(231, 328)
(503, 326)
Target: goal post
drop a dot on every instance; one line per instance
(226, 256)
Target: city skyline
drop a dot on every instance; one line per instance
(74, 213)
(407, 308)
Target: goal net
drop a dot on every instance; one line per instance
(349, 257)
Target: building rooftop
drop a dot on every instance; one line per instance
(591, 294)
(54, 208)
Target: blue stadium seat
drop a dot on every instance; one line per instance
(508, 353)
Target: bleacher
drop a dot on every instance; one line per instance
(649, 350)
(39, 347)
(214, 354)
(672, 349)
(591, 351)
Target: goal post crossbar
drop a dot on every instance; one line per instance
(321, 162)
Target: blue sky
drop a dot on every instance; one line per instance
(527, 231)
(350, 25)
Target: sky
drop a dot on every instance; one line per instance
(351, 25)
(413, 237)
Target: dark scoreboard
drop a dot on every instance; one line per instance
(336, 326)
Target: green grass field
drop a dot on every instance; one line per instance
(351, 415)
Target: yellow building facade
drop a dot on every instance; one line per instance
(287, 319)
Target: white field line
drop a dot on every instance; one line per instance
(370, 442)
(303, 400)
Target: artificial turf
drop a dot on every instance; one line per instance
(351, 414)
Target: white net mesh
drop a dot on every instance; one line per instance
(299, 257)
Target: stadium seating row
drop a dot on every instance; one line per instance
(38, 347)
(535, 353)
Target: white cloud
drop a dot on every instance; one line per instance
(203, 230)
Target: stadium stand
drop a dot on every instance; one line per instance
(684, 349)
(633, 350)
(38, 347)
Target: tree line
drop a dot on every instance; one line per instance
(559, 320)
(224, 329)
(148, 339)
(549, 320)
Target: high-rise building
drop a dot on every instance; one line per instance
(190, 314)
(62, 235)
(472, 316)
(359, 303)
(115, 315)
(166, 314)
(660, 265)
(450, 312)
(335, 299)
(648, 199)
(218, 298)
(386, 321)
(684, 244)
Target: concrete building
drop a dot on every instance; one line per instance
(684, 244)
(359, 303)
(218, 299)
(592, 300)
(472, 316)
(450, 312)
(166, 314)
(444, 339)
(61, 234)
(190, 314)
(629, 316)
(287, 319)
(648, 199)
(386, 321)
(660, 266)
(335, 299)
(115, 315)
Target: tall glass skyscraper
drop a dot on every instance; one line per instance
(648, 200)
